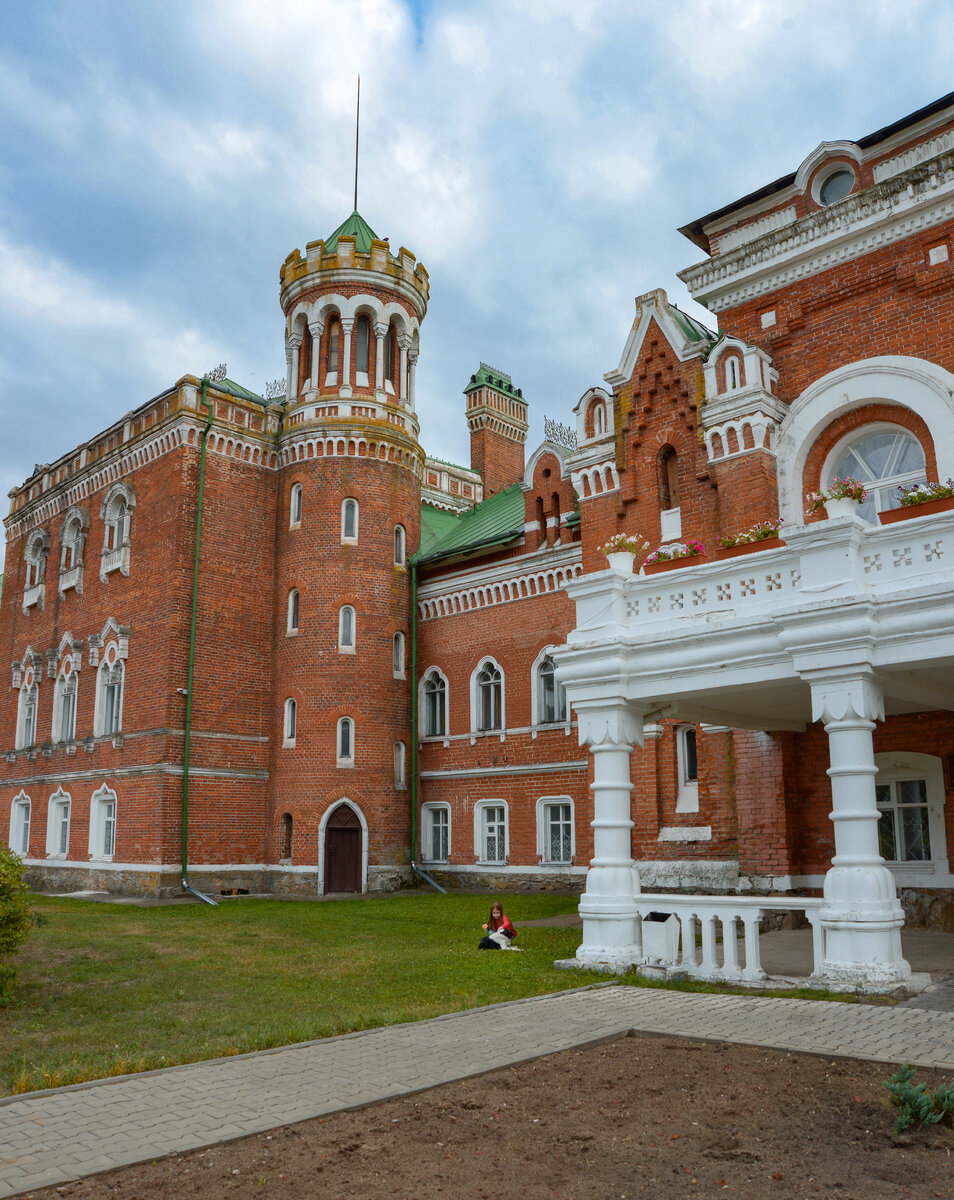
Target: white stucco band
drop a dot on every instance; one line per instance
(913, 383)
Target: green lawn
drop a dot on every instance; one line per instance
(107, 989)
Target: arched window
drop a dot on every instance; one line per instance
(331, 360)
(285, 830)
(390, 359)
(109, 695)
(599, 418)
(116, 512)
(489, 697)
(362, 342)
(102, 823)
(435, 704)
(732, 378)
(116, 523)
(304, 359)
(551, 695)
(400, 756)
(64, 704)
(349, 520)
(668, 478)
(345, 742)
(26, 713)
(400, 543)
(35, 555)
(292, 611)
(397, 653)
(20, 824)
(291, 721)
(294, 505)
(346, 629)
(883, 458)
(72, 542)
(58, 824)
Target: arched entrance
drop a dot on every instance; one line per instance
(343, 850)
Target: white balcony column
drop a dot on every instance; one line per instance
(316, 329)
(404, 344)
(411, 368)
(380, 333)
(612, 934)
(861, 916)
(292, 346)
(347, 325)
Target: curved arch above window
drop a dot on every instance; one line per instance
(292, 626)
(397, 655)
(362, 350)
(345, 742)
(347, 634)
(487, 697)
(332, 352)
(294, 506)
(434, 703)
(400, 546)
(884, 458)
(116, 511)
(349, 520)
(290, 731)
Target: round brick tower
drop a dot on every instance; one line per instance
(348, 518)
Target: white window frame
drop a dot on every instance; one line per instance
(111, 666)
(290, 721)
(400, 766)
(342, 759)
(910, 765)
(423, 706)
(398, 644)
(480, 832)
(345, 647)
(361, 378)
(352, 538)
(687, 797)
(58, 812)
(476, 698)
(73, 545)
(20, 813)
(35, 556)
(293, 615)
(295, 505)
(400, 546)
(67, 684)
(598, 417)
(117, 530)
(543, 840)
(428, 812)
(101, 824)
(536, 693)
(907, 478)
(29, 695)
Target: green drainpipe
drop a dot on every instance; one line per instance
(187, 886)
(413, 788)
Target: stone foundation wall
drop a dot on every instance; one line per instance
(928, 908)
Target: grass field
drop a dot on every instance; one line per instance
(108, 989)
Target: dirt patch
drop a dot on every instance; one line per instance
(637, 1117)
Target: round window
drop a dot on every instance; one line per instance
(883, 459)
(836, 186)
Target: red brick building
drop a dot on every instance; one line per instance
(361, 650)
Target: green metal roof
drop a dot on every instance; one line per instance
(239, 392)
(497, 519)
(693, 330)
(358, 228)
(486, 376)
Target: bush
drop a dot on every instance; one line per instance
(15, 917)
(915, 1104)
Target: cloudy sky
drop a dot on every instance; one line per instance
(160, 158)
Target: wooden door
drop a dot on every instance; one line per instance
(343, 851)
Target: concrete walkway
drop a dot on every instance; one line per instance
(49, 1137)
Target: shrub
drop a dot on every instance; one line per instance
(915, 1104)
(15, 917)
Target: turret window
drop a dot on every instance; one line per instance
(346, 630)
(349, 521)
(294, 506)
(291, 721)
(334, 340)
(362, 343)
(400, 543)
(398, 656)
(345, 742)
(292, 612)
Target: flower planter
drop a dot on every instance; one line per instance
(845, 507)
(621, 560)
(925, 509)
(673, 564)
(749, 547)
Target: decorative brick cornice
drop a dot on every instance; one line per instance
(504, 584)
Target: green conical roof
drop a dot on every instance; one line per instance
(358, 228)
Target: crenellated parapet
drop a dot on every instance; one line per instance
(347, 263)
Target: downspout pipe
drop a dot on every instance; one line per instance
(414, 720)
(186, 885)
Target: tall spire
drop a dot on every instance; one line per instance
(357, 126)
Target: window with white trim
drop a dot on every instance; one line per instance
(291, 627)
(20, 824)
(397, 655)
(331, 360)
(349, 520)
(58, 825)
(488, 697)
(346, 629)
(435, 703)
(27, 703)
(909, 790)
(102, 823)
(362, 345)
(400, 546)
(64, 704)
(491, 831)
(436, 827)
(400, 766)
(687, 765)
(294, 506)
(551, 694)
(108, 718)
(35, 556)
(345, 740)
(72, 548)
(882, 457)
(556, 836)
(290, 731)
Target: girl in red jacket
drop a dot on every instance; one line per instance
(500, 933)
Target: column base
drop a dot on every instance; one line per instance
(862, 921)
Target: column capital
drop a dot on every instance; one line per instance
(412, 356)
(851, 696)
(294, 340)
(347, 325)
(380, 328)
(316, 328)
(609, 722)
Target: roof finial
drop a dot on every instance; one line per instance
(357, 126)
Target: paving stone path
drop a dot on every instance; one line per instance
(49, 1137)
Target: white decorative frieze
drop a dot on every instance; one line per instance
(914, 157)
(755, 229)
(595, 480)
(525, 586)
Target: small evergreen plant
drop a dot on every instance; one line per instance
(15, 916)
(915, 1104)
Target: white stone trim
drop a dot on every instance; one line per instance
(322, 826)
(57, 801)
(596, 480)
(907, 764)
(544, 448)
(651, 305)
(543, 768)
(685, 833)
(479, 847)
(535, 693)
(422, 704)
(20, 804)
(487, 660)
(890, 167)
(498, 584)
(541, 806)
(427, 808)
(755, 229)
(97, 823)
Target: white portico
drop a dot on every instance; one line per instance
(847, 624)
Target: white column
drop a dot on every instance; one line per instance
(380, 332)
(289, 369)
(295, 343)
(344, 388)
(404, 344)
(411, 368)
(611, 926)
(316, 329)
(861, 916)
